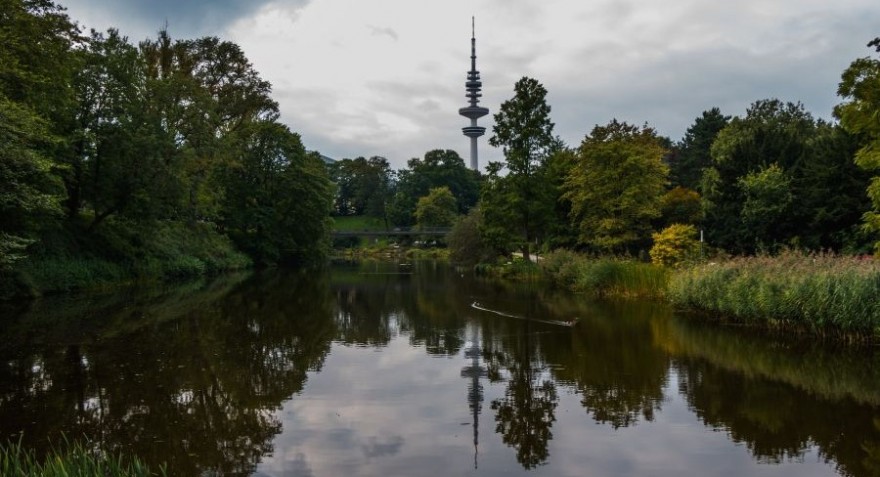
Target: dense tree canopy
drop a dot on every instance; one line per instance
(438, 168)
(615, 186)
(170, 130)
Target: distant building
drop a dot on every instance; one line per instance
(474, 86)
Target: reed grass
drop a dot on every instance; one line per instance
(821, 292)
(77, 460)
(606, 276)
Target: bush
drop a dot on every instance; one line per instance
(675, 245)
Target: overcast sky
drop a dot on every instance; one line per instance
(386, 77)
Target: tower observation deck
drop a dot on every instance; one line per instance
(473, 86)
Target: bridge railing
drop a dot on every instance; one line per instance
(404, 231)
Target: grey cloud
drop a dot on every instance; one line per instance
(383, 31)
(185, 18)
(376, 447)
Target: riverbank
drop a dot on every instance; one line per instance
(819, 294)
(73, 258)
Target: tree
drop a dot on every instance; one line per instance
(616, 186)
(363, 186)
(438, 168)
(860, 115)
(117, 166)
(29, 192)
(204, 92)
(437, 209)
(36, 65)
(771, 132)
(693, 153)
(525, 133)
(681, 206)
(277, 197)
(465, 242)
(832, 192)
(767, 200)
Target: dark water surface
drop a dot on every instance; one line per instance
(390, 370)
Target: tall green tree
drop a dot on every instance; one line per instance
(525, 133)
(693, 152)
(616, 186)
(206, 92)
(117, 166)
(860, 115)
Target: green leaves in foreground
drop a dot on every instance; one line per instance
(76, 461)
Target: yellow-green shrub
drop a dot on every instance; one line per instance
(675, 245)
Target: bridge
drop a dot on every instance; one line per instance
(397, 231)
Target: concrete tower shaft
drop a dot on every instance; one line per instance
(473, 86)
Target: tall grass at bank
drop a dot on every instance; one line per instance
(605, 275)
(76, 461)
(820, 292)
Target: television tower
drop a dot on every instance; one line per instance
(473, 112)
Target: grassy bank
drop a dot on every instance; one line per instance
(817, 292)
(77, 460)
(73, 258)
(821, 294)
(606, 276)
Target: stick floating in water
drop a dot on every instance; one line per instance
(570, 322)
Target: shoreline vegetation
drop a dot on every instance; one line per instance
(71, 459)
(819, 294)
(119, 254)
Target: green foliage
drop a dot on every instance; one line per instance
(437, 209)
(439, 168)
(466, 244)
(29, 191)
(767, 200)
(675, 245)
(818, 292)
(363, 186)
(278, 197)
(772, 132)
(604, 276)
(517, 206)
(120, 251)
(692, 154)
(73, 460)
(615, 186)
(681, 206)
(860, 115)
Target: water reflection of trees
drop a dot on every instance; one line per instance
(375, 302)
(776, 421)
(780, 397)
(524, 416)
(197, 389)
(193, 376)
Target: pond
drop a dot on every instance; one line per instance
(419, 370)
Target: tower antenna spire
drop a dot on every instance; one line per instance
(474, 87)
